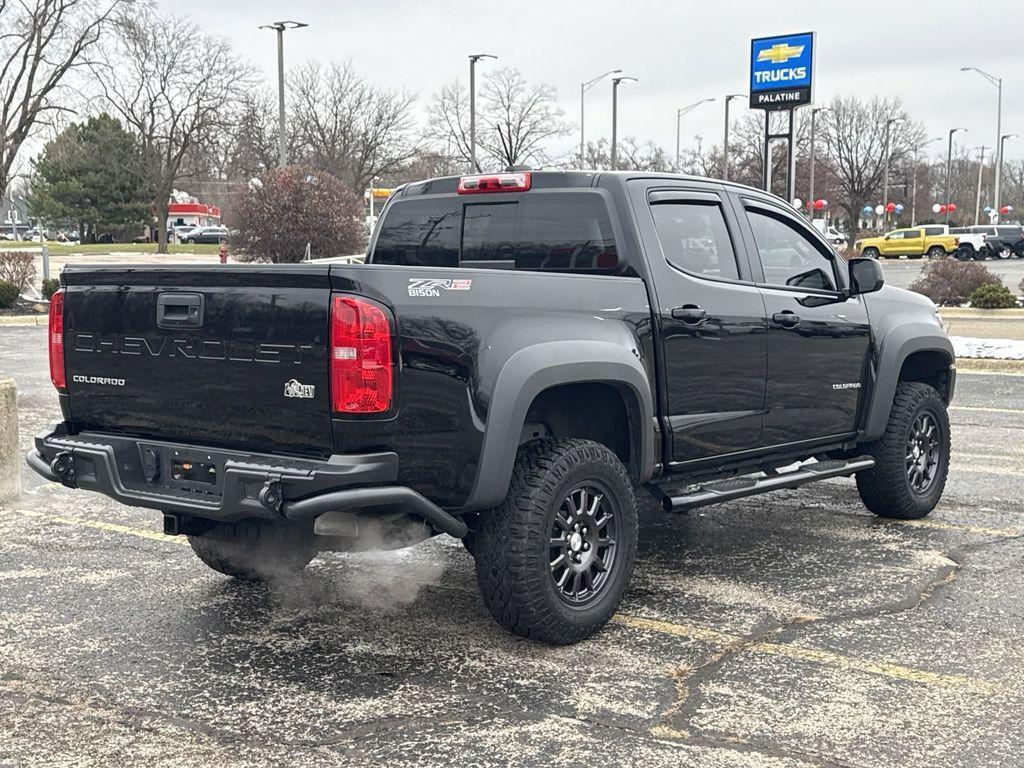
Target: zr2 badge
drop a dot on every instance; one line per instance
(433, 287)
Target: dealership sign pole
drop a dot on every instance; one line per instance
(781, 79)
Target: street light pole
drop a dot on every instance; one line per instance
(473, 59)
(584, 87)
(999, 163)
(810, 192)
(885, 172)
(998, 83)
(977, 199)
(725, 139)
(615, 118)
(282, 138)
(679, 114)
(949, 165)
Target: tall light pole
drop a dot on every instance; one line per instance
(885, 172)
(679, 114)
(584, 87)
(977, 199)
(725, 139)
(998, 83)
(282, 138)
(999, 159)
(913, 178)
(810, 191)
(473, 59)
(949, 165)
(615, 117)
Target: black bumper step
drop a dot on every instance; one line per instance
(679, 498)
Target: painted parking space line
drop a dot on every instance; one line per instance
(826, 658)
(981, 530)
(101, 525)
(985, 409)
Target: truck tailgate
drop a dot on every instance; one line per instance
(224, 356)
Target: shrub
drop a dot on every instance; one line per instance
(50, 286)
(990, 296)
(17, 268)
(8, 294)
(286, 208)
(950, 282)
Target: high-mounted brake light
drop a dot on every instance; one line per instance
(361, 372)
(56, 340)
(497, 182)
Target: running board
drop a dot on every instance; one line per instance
(680, 498)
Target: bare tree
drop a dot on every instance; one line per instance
(515, 122)
(853, 133)
(632, 155)
(347, 127)
(41, 42)
(173, 85)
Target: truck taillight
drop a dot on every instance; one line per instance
(495, 182)
(56, 340)
(361, 371)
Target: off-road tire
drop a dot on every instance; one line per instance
(256, 550)
(871, 253)
(886, 488)
(512, 541)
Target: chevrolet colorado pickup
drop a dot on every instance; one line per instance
(913, 243)
(520, 354)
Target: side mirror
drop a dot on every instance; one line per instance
(865, 276)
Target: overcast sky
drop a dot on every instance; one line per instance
(680, 51)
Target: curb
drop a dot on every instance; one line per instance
(989, 365)
(20, 321)
(972, 313)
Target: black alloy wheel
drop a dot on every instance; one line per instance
(584, 538)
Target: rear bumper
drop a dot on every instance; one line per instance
(147, 473)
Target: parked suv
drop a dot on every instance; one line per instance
(1002, 240)
(521, 354)
(204, 235)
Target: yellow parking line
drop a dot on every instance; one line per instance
(1001, 471)
(104, 526)
(829, 658)
(985, 409)
(1003, 533)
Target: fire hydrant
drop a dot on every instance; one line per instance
(223, 252)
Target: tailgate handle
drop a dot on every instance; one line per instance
(179, 310)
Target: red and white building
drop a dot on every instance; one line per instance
(191, 213)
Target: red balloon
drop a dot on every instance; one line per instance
(1005, 209)
(819, 205)
(952, 207)
(890, 207)
(942, 209)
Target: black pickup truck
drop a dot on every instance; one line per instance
(519, 355)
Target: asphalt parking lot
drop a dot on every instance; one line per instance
(792, 629)
(903, 272)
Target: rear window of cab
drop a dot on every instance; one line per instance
(554, 232)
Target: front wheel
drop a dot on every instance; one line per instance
(1005, 252)
(911, 458)
(256, 550)
(554, 559)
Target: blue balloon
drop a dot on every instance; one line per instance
(987, 209)
(868, 210)
(899, 207)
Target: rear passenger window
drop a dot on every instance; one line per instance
(570, 232)
(933, 231)
(694, 238)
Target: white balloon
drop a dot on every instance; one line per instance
(797, 203)
(936, 208)
(879, 209)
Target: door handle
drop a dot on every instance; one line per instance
(690, 314)
(786, 318)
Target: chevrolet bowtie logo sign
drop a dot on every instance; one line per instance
(780, 53)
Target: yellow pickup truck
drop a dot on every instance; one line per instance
(915, 243)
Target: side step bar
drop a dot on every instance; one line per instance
(679, 498)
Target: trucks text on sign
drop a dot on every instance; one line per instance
(781, 71)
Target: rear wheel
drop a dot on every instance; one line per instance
(911, 458)
(871, 253)
(554, 559)
(256, 550)
(935, 252)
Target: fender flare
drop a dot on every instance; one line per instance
(900, 343)
(536, 368)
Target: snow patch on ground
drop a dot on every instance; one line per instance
(1003, 349)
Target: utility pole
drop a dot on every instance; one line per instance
(615, 118)
(473, 59)
(282, 136)
(810, 192)
(725, 139)
(977, 199)
(584, 87)
(885, 173)
(679, 113)
(949, 165)
(999, 159)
